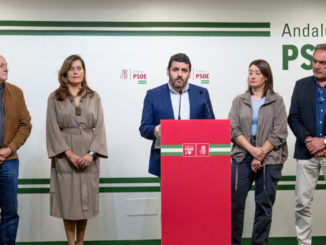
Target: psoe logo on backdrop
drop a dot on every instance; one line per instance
(196, 150)
(124, 74)
(202, 76)
(139, 76)
(292, 52)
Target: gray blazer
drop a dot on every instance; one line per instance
(272, 126)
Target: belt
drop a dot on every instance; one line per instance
(75, 130)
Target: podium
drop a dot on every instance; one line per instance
(196, 182)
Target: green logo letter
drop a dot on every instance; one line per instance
(307, 56)
(290, 52)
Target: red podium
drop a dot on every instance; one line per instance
(196, 182)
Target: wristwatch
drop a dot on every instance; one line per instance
(92, 153)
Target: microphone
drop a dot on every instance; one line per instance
(209, 115)
(179, 117)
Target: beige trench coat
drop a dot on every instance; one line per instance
(74, 193)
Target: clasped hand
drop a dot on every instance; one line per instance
(316, 146)
(259, 154)
(78, 161)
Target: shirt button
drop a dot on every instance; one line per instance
(321, 122)
(321, 110)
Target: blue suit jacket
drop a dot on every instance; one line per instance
(302, 115)
(158, 106)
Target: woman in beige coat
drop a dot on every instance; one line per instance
(75, 136)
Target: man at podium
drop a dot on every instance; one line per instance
(177, 100)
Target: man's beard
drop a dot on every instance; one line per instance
(177, 85)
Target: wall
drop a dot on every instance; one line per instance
(35, 52)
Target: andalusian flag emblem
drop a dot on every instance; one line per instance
(195, 150)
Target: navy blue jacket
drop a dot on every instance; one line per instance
(158, 106)
(302, 115)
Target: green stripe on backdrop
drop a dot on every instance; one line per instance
(292, 178)
(135, 24)
(33, 181)
(134, 180)
(33, 190)
(119, 189)
(115, 189)
(102, 181)
(128, 180)
(134, 33)
(282, 187)
(246, 241)
(287, 241)
(254, 26)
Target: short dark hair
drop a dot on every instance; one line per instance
(266, 70)
(321, 46)
(180, 57)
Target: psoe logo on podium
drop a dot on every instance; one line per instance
(202, 150)
(189, 150)
(196, 150)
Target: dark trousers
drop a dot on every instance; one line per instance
(265, 192)
(8, 201)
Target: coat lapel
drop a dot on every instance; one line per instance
(312, 91)
(167, 102)
(192, 98)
